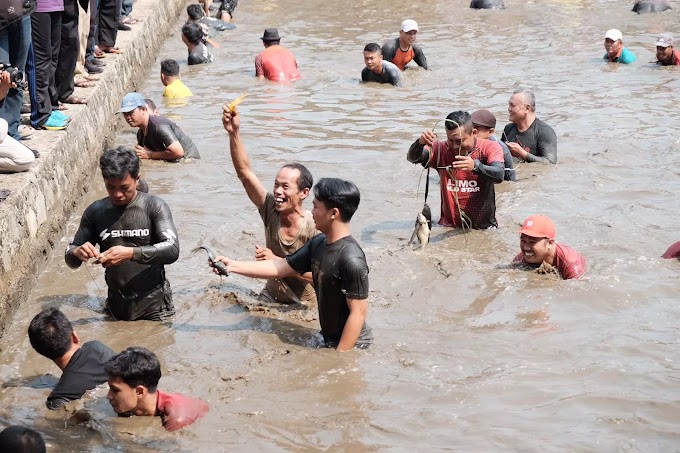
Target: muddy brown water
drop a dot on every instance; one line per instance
(470, 355)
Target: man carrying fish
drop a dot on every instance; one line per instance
(287, 224)
(136, 237)
(337, 263)
(468, 166)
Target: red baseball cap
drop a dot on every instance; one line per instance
(538, 226)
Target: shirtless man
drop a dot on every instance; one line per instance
(288, 226)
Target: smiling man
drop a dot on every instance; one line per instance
(377, 69)
(158, 138)
(537, 242)
(666, 55)
(287, 224)
(133, 390)
(136, 238)
(337, 263)
(403, 49)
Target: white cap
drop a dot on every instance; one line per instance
(614, 35)
(409, 25)
(665, 40)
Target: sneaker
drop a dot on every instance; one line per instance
(52, 124)
(57, 115)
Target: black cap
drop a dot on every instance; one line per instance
(271, 34)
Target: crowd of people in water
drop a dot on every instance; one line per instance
(309, 257)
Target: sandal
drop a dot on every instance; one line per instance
(99, 54)
(111, 50)
(130, 21)
(75, 100)
(84, 83)
(61, 106)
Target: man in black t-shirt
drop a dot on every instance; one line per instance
(158, 137)
(192, 36)
(337, 263)
(52, 336)
(527, 137)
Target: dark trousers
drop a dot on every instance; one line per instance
(109, 10)
(46, 33)
(15, 40)
(68, 52)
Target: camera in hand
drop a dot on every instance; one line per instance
(16, 77)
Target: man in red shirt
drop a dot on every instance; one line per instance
(537, 242)
(666, 55)
(133, 381)
(275, 62)
(468, 167)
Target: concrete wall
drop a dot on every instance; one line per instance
(33, 217)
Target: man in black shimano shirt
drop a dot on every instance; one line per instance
(337, 263)
(52, 336)
(136, 237)
(529, 138)
(158, 138)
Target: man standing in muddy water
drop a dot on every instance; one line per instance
(468, 166)
(136, 237)
(337, 263)
(287, 225)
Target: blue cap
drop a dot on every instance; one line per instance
(131, 101)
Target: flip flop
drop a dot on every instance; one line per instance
(111, 50)
(99, 54)
(61, 106)
(75, 100)
(131, 21)
(84, 83)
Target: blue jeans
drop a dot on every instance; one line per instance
(14, 42)
(126, 8)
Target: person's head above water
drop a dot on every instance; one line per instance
(120, 169)
(522, 106)
(537, 239)
(195, 12)
(133, 379)
(192, 34)
(335, 200)
(408, 32)
(485, 123)
(613, 42)
(291, 186)
(271, 37)
(373, 56)
(134, 109)
(169, 70)
(51, 334)
(151, 107)
(21, 439)
(664, 47)
(460, 132)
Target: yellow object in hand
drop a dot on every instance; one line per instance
(237, 101)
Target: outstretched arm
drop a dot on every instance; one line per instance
(276, 268)
(256, 192)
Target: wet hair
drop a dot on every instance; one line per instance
(135, 366)
(142, 186)
(373, 47)
(50, 333)
(195, 12)
(150, 105)
(21, 439)
(305, 181)
(171, 67)
(529, 97)
(463, 119)
(337, 193)
(117, 162)
(193, 32)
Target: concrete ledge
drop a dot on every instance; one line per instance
(32, 218)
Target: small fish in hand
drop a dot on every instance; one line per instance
(221, 267)
(237, 101)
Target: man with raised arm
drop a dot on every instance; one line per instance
(337, 263)
(287, 224)
(136, 237)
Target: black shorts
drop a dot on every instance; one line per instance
(227, 6)
(155, 305)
